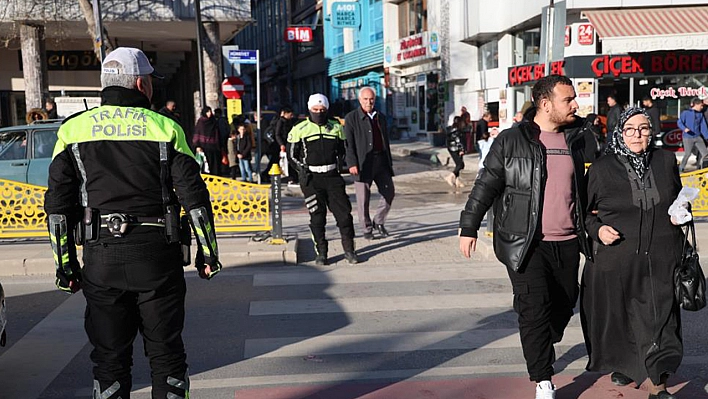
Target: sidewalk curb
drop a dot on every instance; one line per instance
(251, 254)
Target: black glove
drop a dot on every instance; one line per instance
(201, 263)
(69, 283)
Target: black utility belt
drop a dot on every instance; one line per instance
(117, 223)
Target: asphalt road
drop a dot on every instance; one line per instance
(413, 320)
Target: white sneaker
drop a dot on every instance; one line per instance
(545, 390)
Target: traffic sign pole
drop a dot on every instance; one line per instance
(258, 110)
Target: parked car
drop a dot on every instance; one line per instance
(26, 151)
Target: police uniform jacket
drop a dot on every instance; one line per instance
(315, 145)
(108, 158)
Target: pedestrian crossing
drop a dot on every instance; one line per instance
(458, 324)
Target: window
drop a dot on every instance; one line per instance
(13, 145)
(412, 17)
(530, 45)
(376, 20)
(488, 56)
(43, 143)
(338, 45)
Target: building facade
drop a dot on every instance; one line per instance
(354, 32)
(412, 59)
(68, 71)
(290, 71)
(605, 50)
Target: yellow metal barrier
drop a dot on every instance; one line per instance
(697, 179)
(237, 207)
(22, 210)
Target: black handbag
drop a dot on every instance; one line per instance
(689, 281)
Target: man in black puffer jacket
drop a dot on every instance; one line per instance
(535, 172)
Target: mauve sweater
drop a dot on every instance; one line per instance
(556, 216)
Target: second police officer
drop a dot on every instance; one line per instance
(120, 172)
(317, 146)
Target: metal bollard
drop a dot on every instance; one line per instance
(277, 232)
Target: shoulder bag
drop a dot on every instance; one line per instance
(689, 280)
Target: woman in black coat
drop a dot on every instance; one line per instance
(206, 137)
(630, 318)
(456, 148)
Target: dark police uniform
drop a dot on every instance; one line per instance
(128, 165)
(316, 151)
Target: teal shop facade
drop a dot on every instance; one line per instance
(353, 48)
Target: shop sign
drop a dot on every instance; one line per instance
(298, 34)
(617, 65)
(567, 36)
(522, 74)
(345, 14)
(412, 49)
(644, 64)
(586, 34)
(670, 92)
(673, 138)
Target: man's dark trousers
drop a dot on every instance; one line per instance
(135, 283)
(545, 292)
(322, 190)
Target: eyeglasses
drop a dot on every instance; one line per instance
(632, 131)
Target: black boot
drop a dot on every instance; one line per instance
(351, 257)
(321, 259)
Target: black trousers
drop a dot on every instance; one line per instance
(545, 292)
(136, 284)
(328, 190)
(459, 162)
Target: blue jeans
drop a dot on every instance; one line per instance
(245, 166)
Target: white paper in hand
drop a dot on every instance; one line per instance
(679, 209)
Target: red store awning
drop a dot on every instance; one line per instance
(649, 21)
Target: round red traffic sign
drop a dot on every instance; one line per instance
(232, 87)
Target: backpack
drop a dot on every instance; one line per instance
(269, 133)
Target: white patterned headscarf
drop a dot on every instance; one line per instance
(639, 162)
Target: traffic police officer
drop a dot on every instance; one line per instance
(317, 146)
(118, 174)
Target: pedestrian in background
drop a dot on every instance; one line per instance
(170, 111)
(482, 128)
(231, 153)
(243, 153)
(317, 144)
(653, 113)
(206, 136)
(456, 148)
(278, 135)
(224, 132)
(694, 128)
(613, 115)
(484, 145)
(50, 107)
(369, 160)
(629, 314)
(122, 189)
(536, 166)
(467, 139)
